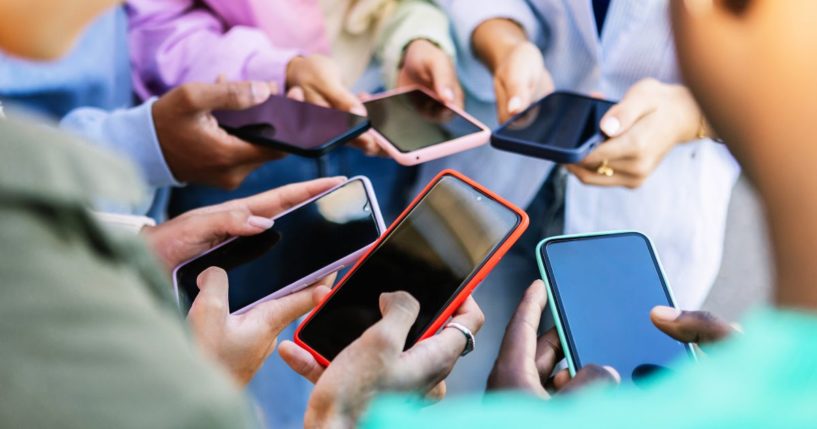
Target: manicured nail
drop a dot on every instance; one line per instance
(260, 222)
(260, 91)
(610, 125)
(614, 373)
(359, 110)
(737, 327)
(666, 313)
(514, 104)
(448, 94)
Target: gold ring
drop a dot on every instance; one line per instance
(605, 169)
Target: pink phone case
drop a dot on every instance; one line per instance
(438, 150)
(317, 275)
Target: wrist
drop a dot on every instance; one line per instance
(494, 39)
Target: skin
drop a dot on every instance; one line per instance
(376, 362)
(642, 128)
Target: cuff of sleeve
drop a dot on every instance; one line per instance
(128, 132)
(271, 65)
(470, 14)
(433, 29)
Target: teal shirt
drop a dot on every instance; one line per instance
(766, 378)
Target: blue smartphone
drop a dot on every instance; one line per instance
(562, 127)
(293, 126)
(601, 288)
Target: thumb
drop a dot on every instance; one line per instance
(690, 326)
(212, 303)
(399, 310)
(635, 104)
(225, 95)
(222, 224)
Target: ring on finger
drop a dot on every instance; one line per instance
(605, 170)
(470, 341)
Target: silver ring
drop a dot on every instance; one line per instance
(470, 341)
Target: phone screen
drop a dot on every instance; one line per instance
(294, 123)
(431, 254)
(604, 288)
(300, 243)
(561, 119)
(414, 120)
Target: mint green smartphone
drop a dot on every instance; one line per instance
(601, 288)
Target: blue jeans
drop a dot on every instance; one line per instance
(280, 393)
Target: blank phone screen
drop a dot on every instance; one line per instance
(605, 287)
(563, 120)
(413, 120)
(300, 243)
(293, 123)
(431, 254)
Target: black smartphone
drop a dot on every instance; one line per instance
(414, 127)
(439, 249)
(601, 288)
(562, 127)
(293, 126)
(304, 244)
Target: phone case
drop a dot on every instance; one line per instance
(438, 150)
(557, 319)
(317, 275)
(318, 152)
(464, 292)
(553, 153)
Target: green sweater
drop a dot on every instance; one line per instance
(89, 334)
(766, 378)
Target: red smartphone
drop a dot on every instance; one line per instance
(439, 249)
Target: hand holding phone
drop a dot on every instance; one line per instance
(601, 289)
(562, 127)
(293, 126)
(414, 127)
(306, 243)
(438, 250)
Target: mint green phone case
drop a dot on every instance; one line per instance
(557, 320)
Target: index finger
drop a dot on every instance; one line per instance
(227, 95)
(281, 199)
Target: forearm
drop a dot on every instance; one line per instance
(412, 20)
(494, 38)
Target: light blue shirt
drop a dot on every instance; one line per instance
(90, 92)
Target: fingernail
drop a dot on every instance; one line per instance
(614, 373)
(448, 94)
(260, 91)
(610, 125)
(344, 178)
(514, 104)
(260, 222)
(666, 313)
(737, 327)
(359, 110)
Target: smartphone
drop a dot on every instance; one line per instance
(305, 244)
(293, 126)
(414, 127)
(438, 250)
(601, 288)
(562, 127)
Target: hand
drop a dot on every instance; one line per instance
(241, 343)
(195, 148)
(642, 128)
(319, 80)
(425, 64)
(699, 327)
(196, 231)
(520, 79)
(376, 361)
(525, 362)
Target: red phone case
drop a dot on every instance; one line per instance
(463, 294)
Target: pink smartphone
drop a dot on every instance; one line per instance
(413, 127)
(305, 244)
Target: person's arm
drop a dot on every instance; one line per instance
(413, 20)
(129, 132)
(178, 41)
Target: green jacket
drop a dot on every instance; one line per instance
(89, 335)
